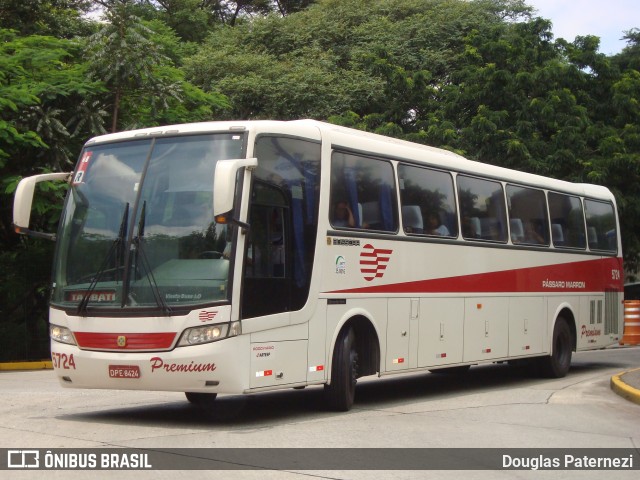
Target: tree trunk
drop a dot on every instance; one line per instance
(116, 109)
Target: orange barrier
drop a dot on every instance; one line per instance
(631, 323)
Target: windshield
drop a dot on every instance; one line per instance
(138, 230)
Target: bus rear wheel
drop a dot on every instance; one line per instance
(340, 394)
(557, 364)
(201, 399)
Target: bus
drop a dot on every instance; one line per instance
(243, 257)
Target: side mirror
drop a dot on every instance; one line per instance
(224, 182)
(23, 199)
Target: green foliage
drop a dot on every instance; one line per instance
(24, 294)
(57, 18)
(133, 58)
(484, 78)
(39, 84)
(50, 104)
(124, 57)
(37, 81)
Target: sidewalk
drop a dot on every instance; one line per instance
(41, 365)
(627, 385)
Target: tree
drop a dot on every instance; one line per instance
(131, 57)
(191, 19)
(188, 18)
(287, 7)
(380, 59)
(57, 18)
(40, 86)
(122, 55)
(484, 78)
(629, 58)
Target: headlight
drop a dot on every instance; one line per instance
(208, 333)
(61, 334)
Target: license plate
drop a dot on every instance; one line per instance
(124, 371)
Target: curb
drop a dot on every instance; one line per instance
(624, 390)
(12, 366)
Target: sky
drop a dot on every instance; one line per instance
(607, 19)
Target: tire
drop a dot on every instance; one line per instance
(557, 364)
(340, 394)
(201, 399)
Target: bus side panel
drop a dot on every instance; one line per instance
(278, 363)
(590, 329)
(441, 331)
(402, 315)
(279, 356)
(486, 328)
(317, 360)
(527, 318)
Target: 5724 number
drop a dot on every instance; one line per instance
(64, 361)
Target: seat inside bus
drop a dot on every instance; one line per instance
(412, 219)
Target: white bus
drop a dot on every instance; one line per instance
(241, 257)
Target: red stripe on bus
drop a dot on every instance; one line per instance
(130, 341)
(585, 276)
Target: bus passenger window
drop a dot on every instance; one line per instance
(567, 221)
(428, 201)
(528, 218)
(362, 193)
(482, 209)
(601, 226)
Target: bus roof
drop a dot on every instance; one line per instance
(357, 140)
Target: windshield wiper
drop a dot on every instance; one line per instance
(116, 248)
(138, 244)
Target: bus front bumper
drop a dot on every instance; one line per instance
(210, 368)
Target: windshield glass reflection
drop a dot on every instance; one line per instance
(138, 230)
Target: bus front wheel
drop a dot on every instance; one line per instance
(557, 364)
(341, 392)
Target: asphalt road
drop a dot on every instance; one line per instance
(493, 406)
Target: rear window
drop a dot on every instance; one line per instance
(601, 226)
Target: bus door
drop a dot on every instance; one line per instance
(268, 286)
(267, 272)
(278, 259)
